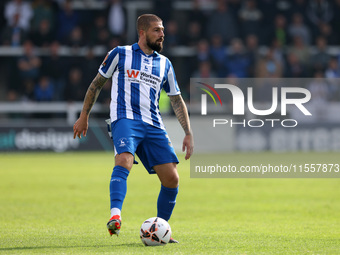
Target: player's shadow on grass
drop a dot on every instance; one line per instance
(70, 247)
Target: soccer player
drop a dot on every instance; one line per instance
(139, 73)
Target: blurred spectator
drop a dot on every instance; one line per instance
(319, 11)
(54, 66)
(268, 67)
(332, 74)
(250, 17)
(252, 52)
(299, 28)
(12, 96)
(27, 90)
(42, 10)
(90, 66)
(75, 38)
(44, 35)
(218, 55)
(321, 57)
(21, 10)
(204, 71)
(318, 87)
(333, 69)
(67, 20)
(326, 31)
(278, 50)
(99, 34)
(172, 37)
(194, 33)
(44, 90)
(197, 15)
(237, 61)
(74, 90)
(320, 94)
(114, 42)
(117, 19)
(13, 35)
(278, 31)
(222, 22)
(202, 55)
(29, 63)
(294, 68)
(301, 51)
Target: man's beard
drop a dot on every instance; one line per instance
(154, 45)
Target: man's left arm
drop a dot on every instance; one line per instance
(182, 115)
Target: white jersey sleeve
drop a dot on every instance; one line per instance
(170, 85)
(110, 63)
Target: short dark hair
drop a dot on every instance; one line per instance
(143, 21)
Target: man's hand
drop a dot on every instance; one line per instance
(188, 144)
(80, 127)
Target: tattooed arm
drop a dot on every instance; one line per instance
(81, 125)
(181, 112)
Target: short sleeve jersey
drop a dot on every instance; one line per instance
(137, 81)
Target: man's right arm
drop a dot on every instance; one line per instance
(81, 125)
(93, 93)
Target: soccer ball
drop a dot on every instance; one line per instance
(155, 231)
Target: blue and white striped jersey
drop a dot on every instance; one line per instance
(137, 81)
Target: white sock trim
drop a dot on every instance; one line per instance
(115, 211)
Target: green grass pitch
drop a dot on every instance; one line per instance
(59, 204)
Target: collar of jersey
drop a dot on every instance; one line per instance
(136, 47)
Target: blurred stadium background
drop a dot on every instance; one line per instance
(51, 49)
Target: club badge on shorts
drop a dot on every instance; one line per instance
(122, 142)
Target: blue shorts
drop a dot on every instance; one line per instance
(151, 144)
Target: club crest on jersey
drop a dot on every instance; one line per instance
(104, 61)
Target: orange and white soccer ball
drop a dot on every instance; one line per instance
(155, 231)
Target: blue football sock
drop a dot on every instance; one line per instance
(166, 202)
(118, 186)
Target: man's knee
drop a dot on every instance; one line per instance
(172, 180)
(125, 160)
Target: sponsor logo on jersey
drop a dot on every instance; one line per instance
(143, 77)
(132, 73)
